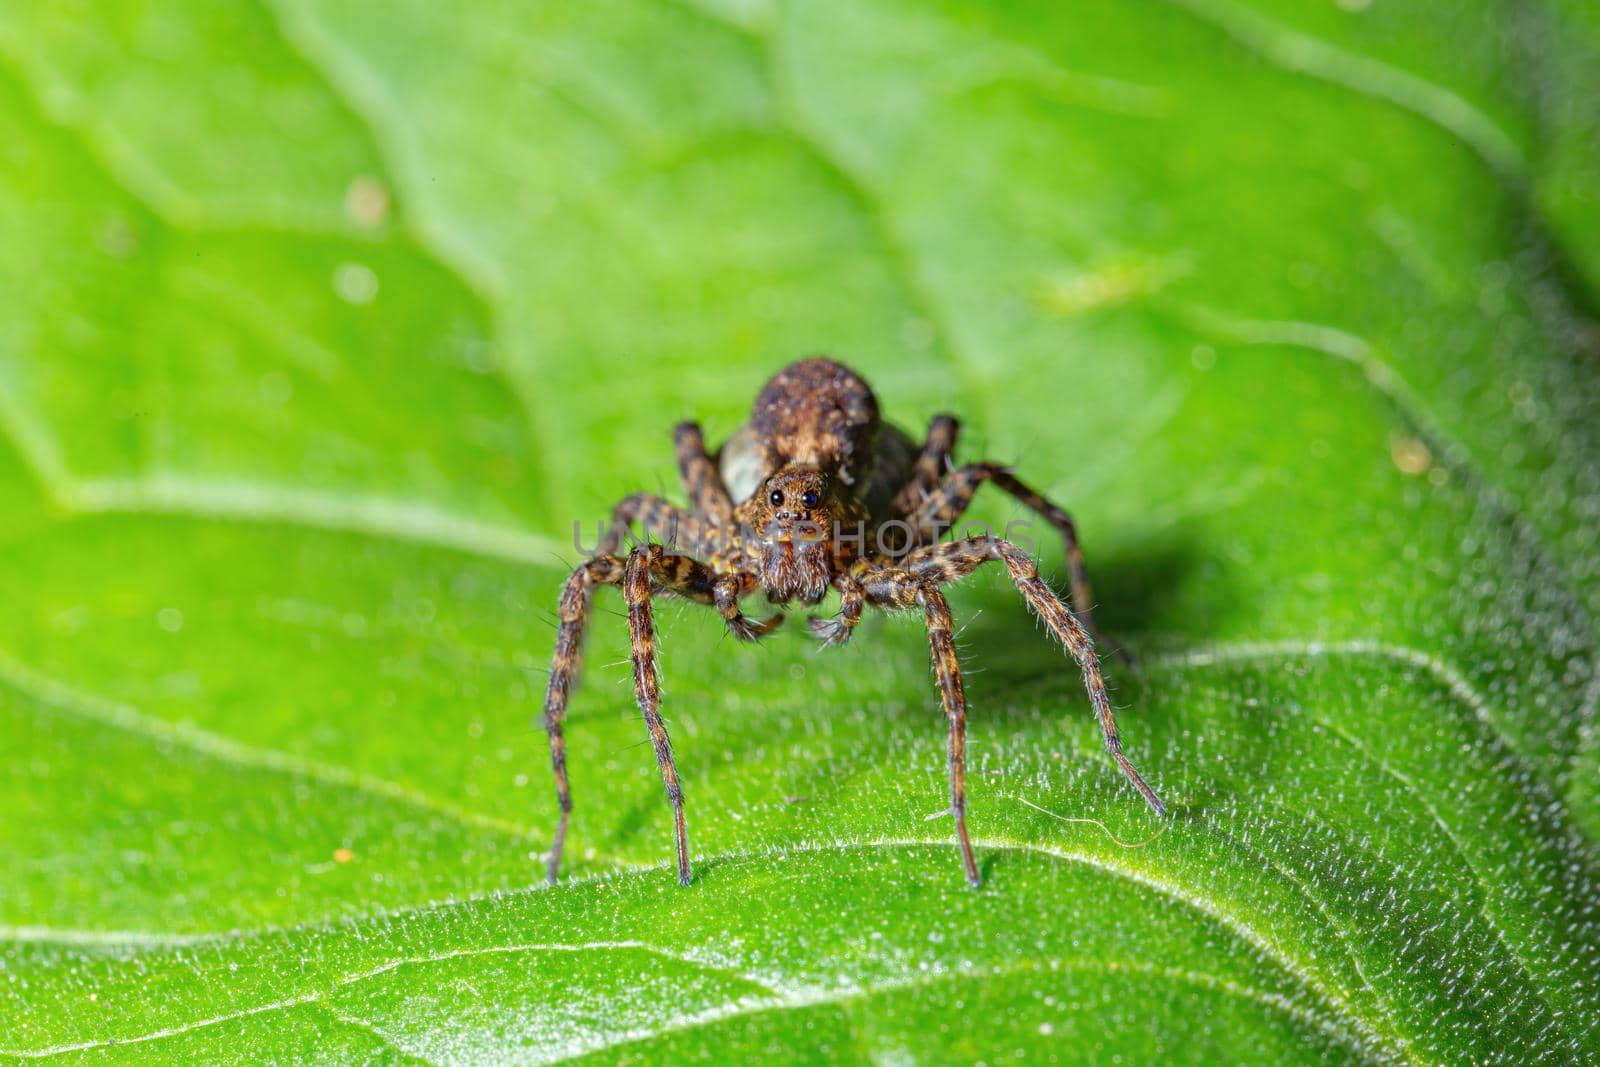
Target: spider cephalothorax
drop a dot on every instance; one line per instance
(803, 531)
(798, 502)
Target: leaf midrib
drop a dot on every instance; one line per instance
(1377, 1042)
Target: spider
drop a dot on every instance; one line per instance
(798, 502)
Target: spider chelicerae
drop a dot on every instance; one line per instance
(816, 492)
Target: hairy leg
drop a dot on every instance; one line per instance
(669, 525)
(577, 597)
(707, 493)
(955, 559)
(688, 578)
(837, 630)
(674, 575)
(726, 591)
(932, 462)
(636, 584)
(952, 694)
(954, 495)
(895, 588)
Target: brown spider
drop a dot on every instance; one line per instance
(798, 501)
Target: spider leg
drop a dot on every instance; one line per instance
(952, 560)
(642, 565)
(577, 596)
(672, 526)
(726, 591)
(891, 587)
(947, 669)
(676, 528)
(837, 630)
(931, 464)
(954, 495)
(674, 575)
(707, 493)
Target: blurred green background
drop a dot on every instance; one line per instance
(323, 323)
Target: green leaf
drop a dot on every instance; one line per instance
(326, 322)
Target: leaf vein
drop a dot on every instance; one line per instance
(345, 981)
(228, 750)
(339, 512)
(810, 998)
(1306, 54)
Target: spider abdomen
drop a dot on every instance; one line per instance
(819, 413)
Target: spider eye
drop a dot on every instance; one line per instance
(811, 499)
(776, 498)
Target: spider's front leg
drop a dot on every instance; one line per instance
(952, 560)
(952, 694)
(674, 528)
(636, 584)
(577, 597)
(679, 575)
(894, 588)
(649, 569)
